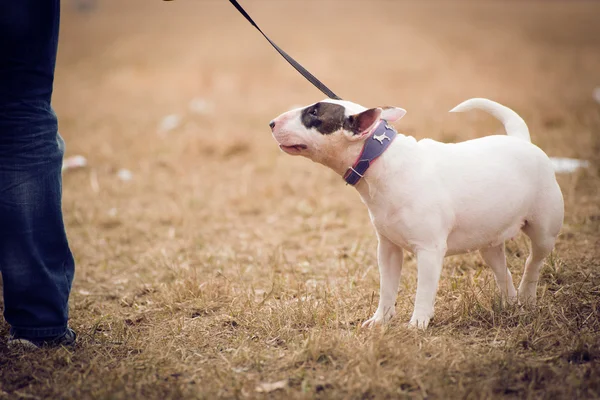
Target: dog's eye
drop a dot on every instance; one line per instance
(313, 112)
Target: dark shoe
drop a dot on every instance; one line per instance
(66, 339)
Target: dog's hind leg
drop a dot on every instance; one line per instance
(542, 244)
(495, 258)
(542, 228)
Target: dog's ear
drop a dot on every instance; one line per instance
(362, 123)
(392, 114)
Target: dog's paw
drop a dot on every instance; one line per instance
(419, 321)
(527, 296)
(379, 318)
(511, 300)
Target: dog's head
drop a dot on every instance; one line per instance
(324, 130)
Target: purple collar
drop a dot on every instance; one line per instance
(374, 146)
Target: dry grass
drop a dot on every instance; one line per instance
(224, 264)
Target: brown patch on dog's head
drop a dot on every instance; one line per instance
(326, 118)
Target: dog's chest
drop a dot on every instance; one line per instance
(389, 221)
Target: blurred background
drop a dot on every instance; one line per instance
(171, 100)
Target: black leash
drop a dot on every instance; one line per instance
(310, 77)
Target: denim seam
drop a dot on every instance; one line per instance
(68, 256)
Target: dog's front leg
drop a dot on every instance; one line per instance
(390, 258)
(429, 269)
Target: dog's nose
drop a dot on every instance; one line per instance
(272, 124)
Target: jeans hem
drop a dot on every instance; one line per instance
(37, 333)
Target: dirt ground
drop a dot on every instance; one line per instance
(225, 268)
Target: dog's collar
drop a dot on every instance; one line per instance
(374, 146)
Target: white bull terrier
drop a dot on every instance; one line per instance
(435, 199)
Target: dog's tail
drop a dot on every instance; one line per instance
(513, 123)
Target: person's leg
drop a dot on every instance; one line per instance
(35, 260)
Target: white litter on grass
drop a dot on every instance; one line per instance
(596, 94)
(198, 105)
(74, 162)
(568, 165)
(169, 123)
(125, 175)
(268, 387)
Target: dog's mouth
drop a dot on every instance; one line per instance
(294, 149)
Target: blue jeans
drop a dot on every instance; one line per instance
(35, 260)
